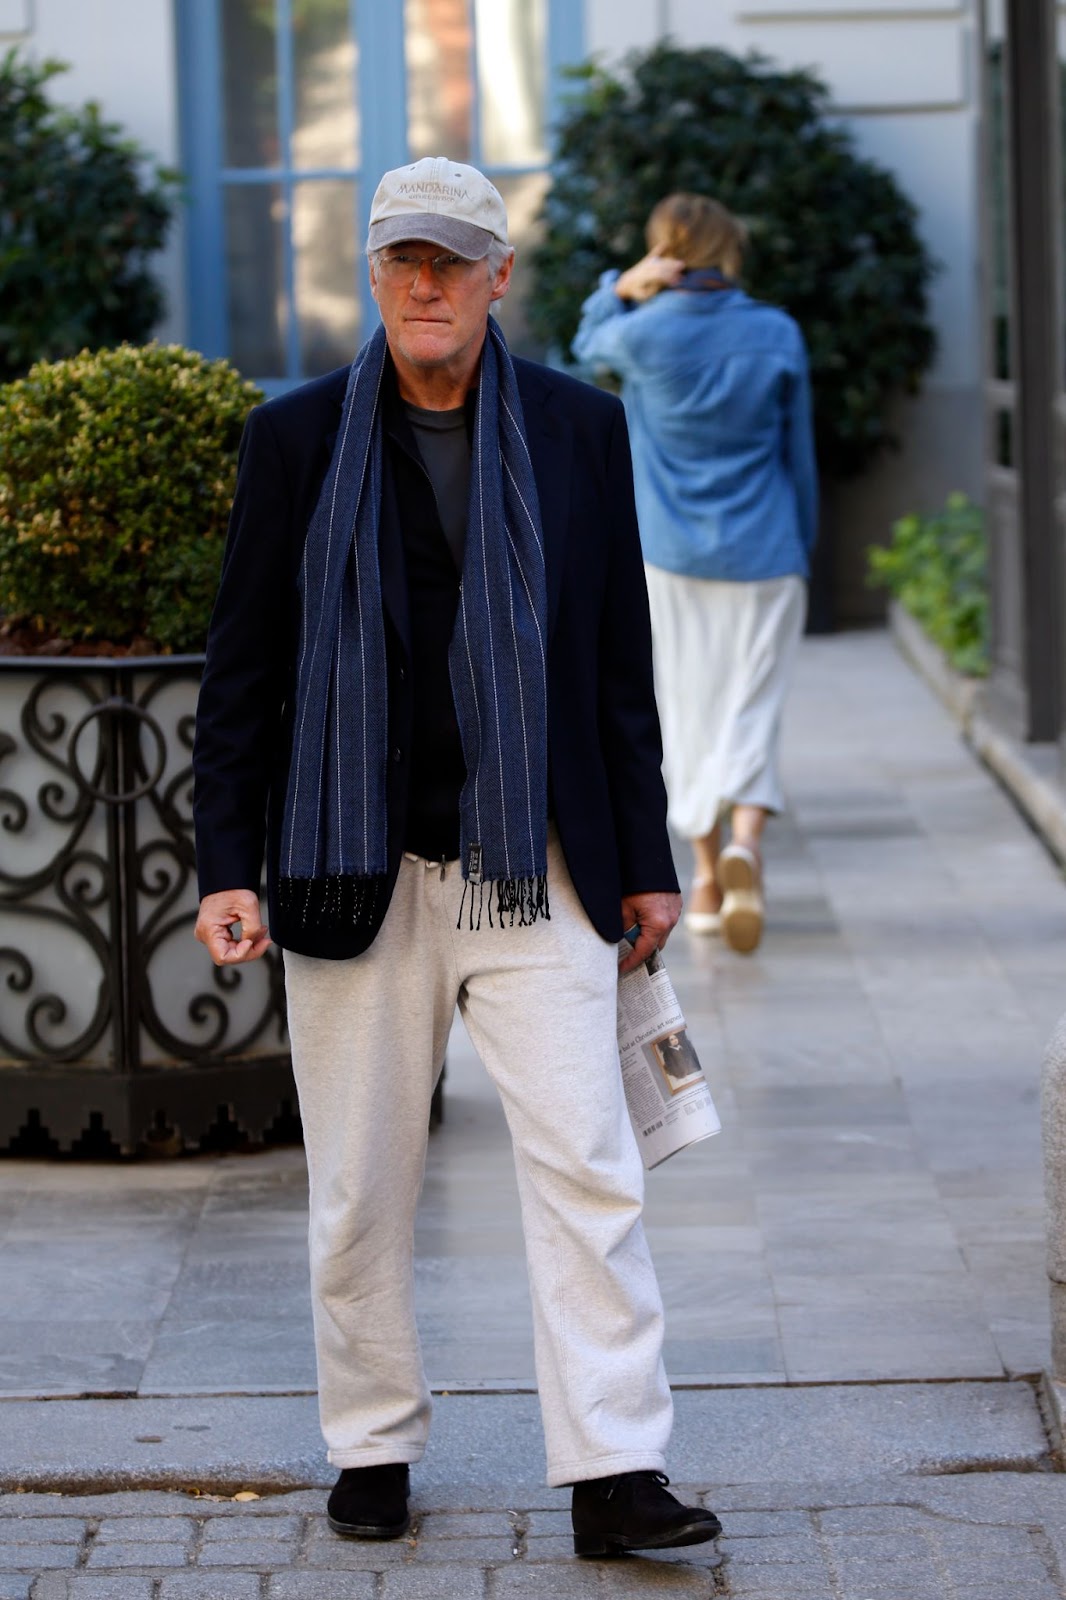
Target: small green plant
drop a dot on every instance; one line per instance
(81, 211)
(116, 475)
(937, 569)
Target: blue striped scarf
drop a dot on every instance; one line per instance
(334, 837)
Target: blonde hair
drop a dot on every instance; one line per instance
(698, 231)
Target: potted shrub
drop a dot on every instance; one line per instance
(116, 474)
(833, 239)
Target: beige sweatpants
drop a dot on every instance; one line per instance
(368, 1042)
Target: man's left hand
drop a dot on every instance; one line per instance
(656, 915)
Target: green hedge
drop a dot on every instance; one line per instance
(116, 475)
(937, 568)
(82, 212)
(834, 240)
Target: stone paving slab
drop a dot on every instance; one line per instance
(873, 1207)
(872, 1210)
(730, 1435)
(993, 1537)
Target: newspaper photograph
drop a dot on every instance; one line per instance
(670, 1104)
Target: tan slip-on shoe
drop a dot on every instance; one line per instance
(740, 880)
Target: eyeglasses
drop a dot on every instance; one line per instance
(400, 268)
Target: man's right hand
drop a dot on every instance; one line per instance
(214, 927)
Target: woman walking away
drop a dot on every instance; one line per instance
(718, 402)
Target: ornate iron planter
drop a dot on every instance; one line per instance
(115, 1028)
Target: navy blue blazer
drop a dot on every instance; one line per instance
(604, 748)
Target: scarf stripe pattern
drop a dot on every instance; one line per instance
(334, 836)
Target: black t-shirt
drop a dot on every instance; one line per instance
(428, 458)
(444, 446)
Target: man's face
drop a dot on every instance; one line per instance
(434, 318)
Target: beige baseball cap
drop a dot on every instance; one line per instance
(442, 201)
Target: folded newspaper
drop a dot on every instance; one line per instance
(670, 1105)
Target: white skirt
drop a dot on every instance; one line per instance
(724, 654)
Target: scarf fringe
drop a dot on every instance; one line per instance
(342, 901)
(336, 901)
(524, 898)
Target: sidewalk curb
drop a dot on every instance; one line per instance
(1052, 1396)
(272, 1443)
(1042, 802)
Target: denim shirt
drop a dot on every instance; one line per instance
(717, 398)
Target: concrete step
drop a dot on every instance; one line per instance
(491, 1443)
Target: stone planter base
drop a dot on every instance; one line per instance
(117, 1034)
(47, 1111)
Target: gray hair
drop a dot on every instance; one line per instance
(498, 255)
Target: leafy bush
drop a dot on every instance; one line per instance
(116, 475)
(80, 213)
(833, 239)
(937, 568)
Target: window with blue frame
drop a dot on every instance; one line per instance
(291, 111)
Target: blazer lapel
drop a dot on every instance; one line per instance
(550, 450)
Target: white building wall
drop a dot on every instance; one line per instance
(902, 75)
(121, 53)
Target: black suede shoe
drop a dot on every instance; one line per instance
(634, 1512)
(370, 1502)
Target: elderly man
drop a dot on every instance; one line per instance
(428, 692)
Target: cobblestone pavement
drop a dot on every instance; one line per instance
(992, 1536)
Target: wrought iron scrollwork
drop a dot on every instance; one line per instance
(112, 790)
